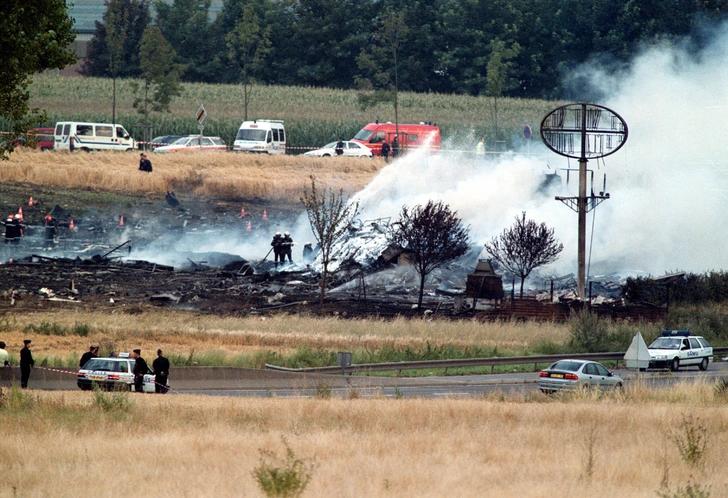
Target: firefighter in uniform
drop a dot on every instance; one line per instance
(286, 247)
(276, 244)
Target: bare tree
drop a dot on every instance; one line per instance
(432, 235)
(330, 214)
(524, 247)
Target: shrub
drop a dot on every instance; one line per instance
(46, 328)
(691, 442)
(282, 477)
(588, 332)
(81, 329)
(116, 401)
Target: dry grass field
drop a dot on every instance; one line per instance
(66, 444)
(224, 338)
(217, 175)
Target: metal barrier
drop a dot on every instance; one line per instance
(461, 363)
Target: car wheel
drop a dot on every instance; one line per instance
(704, 364)
(325, 155)
(675, 365)
(618, 387)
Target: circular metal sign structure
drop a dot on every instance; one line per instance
(583, 131)
(527, 132)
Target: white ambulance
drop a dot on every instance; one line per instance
(262, 135)
(91, 136)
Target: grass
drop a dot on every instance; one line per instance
(313, 116)
(522, 445)
(218, 175)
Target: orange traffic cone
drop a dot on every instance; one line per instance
(250, 227)
(71, 226)
(265, 215)
(242, 212)
(121, 220)
(31, 202)
(20, 212)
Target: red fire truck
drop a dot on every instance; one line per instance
(411, 136)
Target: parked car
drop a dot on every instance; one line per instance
(677, 348)
(573, 374)
(112, 374)
(351, 149)
(163, 140)
(43, 138)
(194, 143)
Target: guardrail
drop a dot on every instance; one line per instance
(460, 363)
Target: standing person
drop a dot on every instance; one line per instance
(9, 229)
(144, 163)
(339, 147)
(287, 247)
(276, 244)
(4, 356)
(93, 352)
(26, 363)
(161, 372)
(385, 151)
(140, 368)
(307, 252)
(49, 234)
(480, 149)
(395, 148)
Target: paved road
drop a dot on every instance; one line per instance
(467, 385)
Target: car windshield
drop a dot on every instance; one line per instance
(252, 135)
(568, 365)
(332, 145)
(100, 364)
(666, 343)
(181, 141)
(363, 135)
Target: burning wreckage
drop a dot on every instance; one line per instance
(367, 275)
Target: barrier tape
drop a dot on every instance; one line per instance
(75, 374)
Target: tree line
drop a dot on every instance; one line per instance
(515, 48)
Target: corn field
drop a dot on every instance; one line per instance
(313, 116)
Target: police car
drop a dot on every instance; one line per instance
(677, 348)
(112, 374)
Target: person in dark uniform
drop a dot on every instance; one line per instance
(93, 352)
(307, 252)
(144, 163)
(161, 373)
(385, 151)
(140, 368)
(26, 363)
(286, 247)
(49, 235)
(395, 148)
(276, 244)
(339, 147)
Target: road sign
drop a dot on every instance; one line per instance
(527, 132)
(201, 114)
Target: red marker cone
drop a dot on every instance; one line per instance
(20, 212)
(250, 227)
(121, 220)
(31, 202)
(242, 212)
(71, 226)
(265, 215)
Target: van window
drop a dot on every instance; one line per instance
(104, 131)
(275, 134)
(282, 135)
(252, 135)
(412, 138)
(67, 130)
(84, 130)
(121, 132)
(206, 142)
(268, 137)
(363, 135)
(377, 138)
(59, 129)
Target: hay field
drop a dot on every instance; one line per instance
(63, 444)
(217, 175)
(224, 338)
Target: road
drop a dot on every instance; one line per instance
(467, 385)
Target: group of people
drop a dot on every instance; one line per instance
(13, 229)
(26, 361)
(282, 245)
(393, 149)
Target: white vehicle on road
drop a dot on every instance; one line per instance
(91, 136)
(350, 149)
(112, 374)
(266, 136)
(677, 348)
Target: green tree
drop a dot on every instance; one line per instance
(379, 65)
(34, 36)
(498, 78)
(524, 247)
(248, 46)
(432, 235)
(329, 214)
(160, 75)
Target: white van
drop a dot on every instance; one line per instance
(91, 136)
(261, 135)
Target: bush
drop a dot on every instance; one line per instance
(588, 332)
(115, 401)
(46, 328)
(81, 329)
(282, 477)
